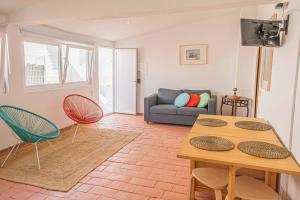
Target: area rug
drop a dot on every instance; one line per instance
(63, 167)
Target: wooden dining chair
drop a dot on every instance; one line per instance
(249, 188)
(214, 178)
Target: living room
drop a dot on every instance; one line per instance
(131, 56)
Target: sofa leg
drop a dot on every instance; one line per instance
(148, 122)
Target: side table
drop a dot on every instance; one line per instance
(235, 103)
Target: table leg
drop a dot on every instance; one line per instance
(231, 183)
(221, 109)
(192, 186)
(271, 180)
(248, 111)
(235, 108)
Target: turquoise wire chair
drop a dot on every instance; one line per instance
(27, 127)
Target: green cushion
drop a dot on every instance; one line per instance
(182, 99)
(204, 99)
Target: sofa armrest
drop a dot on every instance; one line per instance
(212, 105)
(148, 103)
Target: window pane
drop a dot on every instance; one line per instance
(78, 65)
(106, 79)
(0, 52)
(41, 64)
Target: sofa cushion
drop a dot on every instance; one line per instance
(167, 96)
(191, 111)
(199, 92)
(182, 99)
(194, 100)
(204, 99)
(164, 109)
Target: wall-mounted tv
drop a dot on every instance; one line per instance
(261, 32)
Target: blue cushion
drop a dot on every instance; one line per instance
(182, 99)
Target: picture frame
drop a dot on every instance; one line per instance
(266, 67)
(196, 54)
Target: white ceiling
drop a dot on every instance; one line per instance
(118, 29)
(8, 6)
(116, 19)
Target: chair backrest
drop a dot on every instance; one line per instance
(82, 109)
(29, 126)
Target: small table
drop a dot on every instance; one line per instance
(235, 103)
(235, 159)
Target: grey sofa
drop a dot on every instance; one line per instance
(160, 107)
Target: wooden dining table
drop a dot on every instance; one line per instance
(235, 159)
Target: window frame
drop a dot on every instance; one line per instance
(75, 46)
(2, 47)
(48, 85)
(60, 84)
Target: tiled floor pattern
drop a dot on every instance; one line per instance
(146, 169)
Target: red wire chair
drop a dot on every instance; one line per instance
(82, 110)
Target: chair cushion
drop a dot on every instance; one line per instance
(204, 98)
(199, 92)
(167, 96)
(191, 111)
(182, 99)
(163, 109)
(194, 100)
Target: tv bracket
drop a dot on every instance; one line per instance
(285, 21)
(285, 25)
(272, 29)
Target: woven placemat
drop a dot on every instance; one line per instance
(211, 143)
(263, 150)
(254, 126)
(211, 122)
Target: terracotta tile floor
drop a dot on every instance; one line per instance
(146, 169)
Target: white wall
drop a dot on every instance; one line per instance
(47, 102)
(277, 105)
(2, 19)
(159, 57)
(280, 98)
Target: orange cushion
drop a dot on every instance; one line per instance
(194, 100)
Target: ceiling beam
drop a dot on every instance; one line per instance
(48, 11)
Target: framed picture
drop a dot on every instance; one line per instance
(193, 54)
(266, 67)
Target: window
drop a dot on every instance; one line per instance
(54, 62)
(4, 63)
(78, 63)
(2, 90)
(42, 64)
(1, 43)
(106, 79)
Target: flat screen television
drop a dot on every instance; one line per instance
(261, 32)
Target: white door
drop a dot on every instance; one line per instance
(126, 77)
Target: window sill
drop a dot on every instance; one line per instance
(45, 88)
